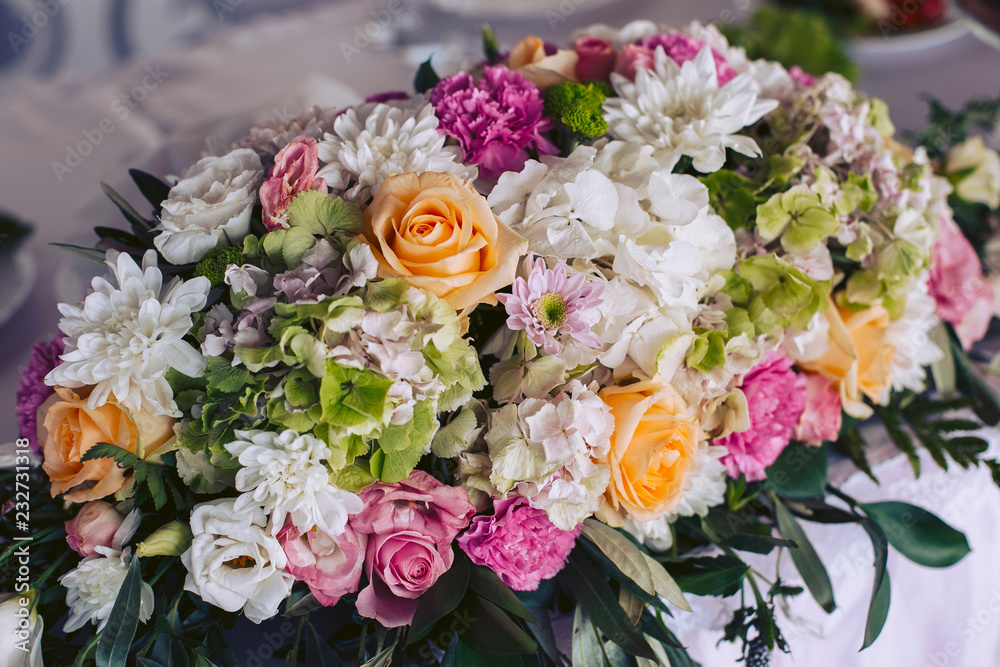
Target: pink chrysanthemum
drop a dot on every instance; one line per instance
(495, 119)
(549, 303)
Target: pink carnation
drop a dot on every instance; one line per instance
(821, 417)
(329, 564)
(519, 543)
(595, 59)
(776, 397)
(294, 171)
(419, 503)
(963, 297)
(680, 48)
(496, 120)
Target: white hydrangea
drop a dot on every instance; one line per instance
(910, 338)
(128, 333)
(682, 110)
(371, 141)
(286, 474)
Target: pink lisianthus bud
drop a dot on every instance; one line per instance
(632, 57)
(329, 564)
(294, 171)
(519, 543)
(821, 417)
(595, 59)
(801, 77)
(963, 297)
(93, 526)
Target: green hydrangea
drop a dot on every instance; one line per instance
(578, 106)
(213, 265)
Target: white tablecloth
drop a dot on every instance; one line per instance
(277, 66)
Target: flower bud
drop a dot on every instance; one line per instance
(171, 539)
(93, 526)
(974, 169)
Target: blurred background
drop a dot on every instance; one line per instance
(89, 88)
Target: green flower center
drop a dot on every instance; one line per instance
(551, 310)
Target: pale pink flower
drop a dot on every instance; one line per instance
(821, 417)
(964, 299)
(329, 564)
(549, 304)
(94, 526)
(294, 171)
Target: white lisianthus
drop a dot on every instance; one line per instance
(682, 110)
(976, 172)
(209, 207)
(233, 563)
(21, 628)
(286, 474)
(128, 332)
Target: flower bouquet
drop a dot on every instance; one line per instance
(558, 337)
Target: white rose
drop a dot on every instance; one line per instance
(233, 563)
(21, 629)
(209, 207)
(981, 183)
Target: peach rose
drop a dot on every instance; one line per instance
(858, 358)
(529, 57)
(652, 448)
(440, 235)
(71, 428)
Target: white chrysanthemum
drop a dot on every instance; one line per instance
(682, 110)
(285, 474)
(92, 586)
(374, 140)
(128, 333)
(704, 488)
(909, 336)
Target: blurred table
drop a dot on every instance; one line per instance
(160, 107)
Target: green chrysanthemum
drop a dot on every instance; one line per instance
(213, 265)
(578, 106)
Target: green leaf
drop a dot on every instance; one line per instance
(491, 47)
(89, 254)
(970, 383)
(130, 213)
(325, 216)
(426, 77)
(878, 608)
(466, 656)
(385, 295)
(587, 650)
(152, 188)
(918, 534)
(116, 637)
(805, 558)
(441, 599)
(300, 603)
(665, 585)
(799, 472)
(582, 580)
(224, 378)
(486, 583)
(493, 632)
(318, 651)
(731, 197)
(710, 576)
(621, 551)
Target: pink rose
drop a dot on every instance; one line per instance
(820, 420)
(94, 526)
(401, 567)
(419, 503)
(519, 543)
(595, 59)
(964, 298)
(776, 397)
(294, 171)
(633, 57)
(329, 564)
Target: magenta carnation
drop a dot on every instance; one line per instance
(682, 48)
(549, 303)
(495, 120)
(776, 397)
(519, 543)
(33, 391)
